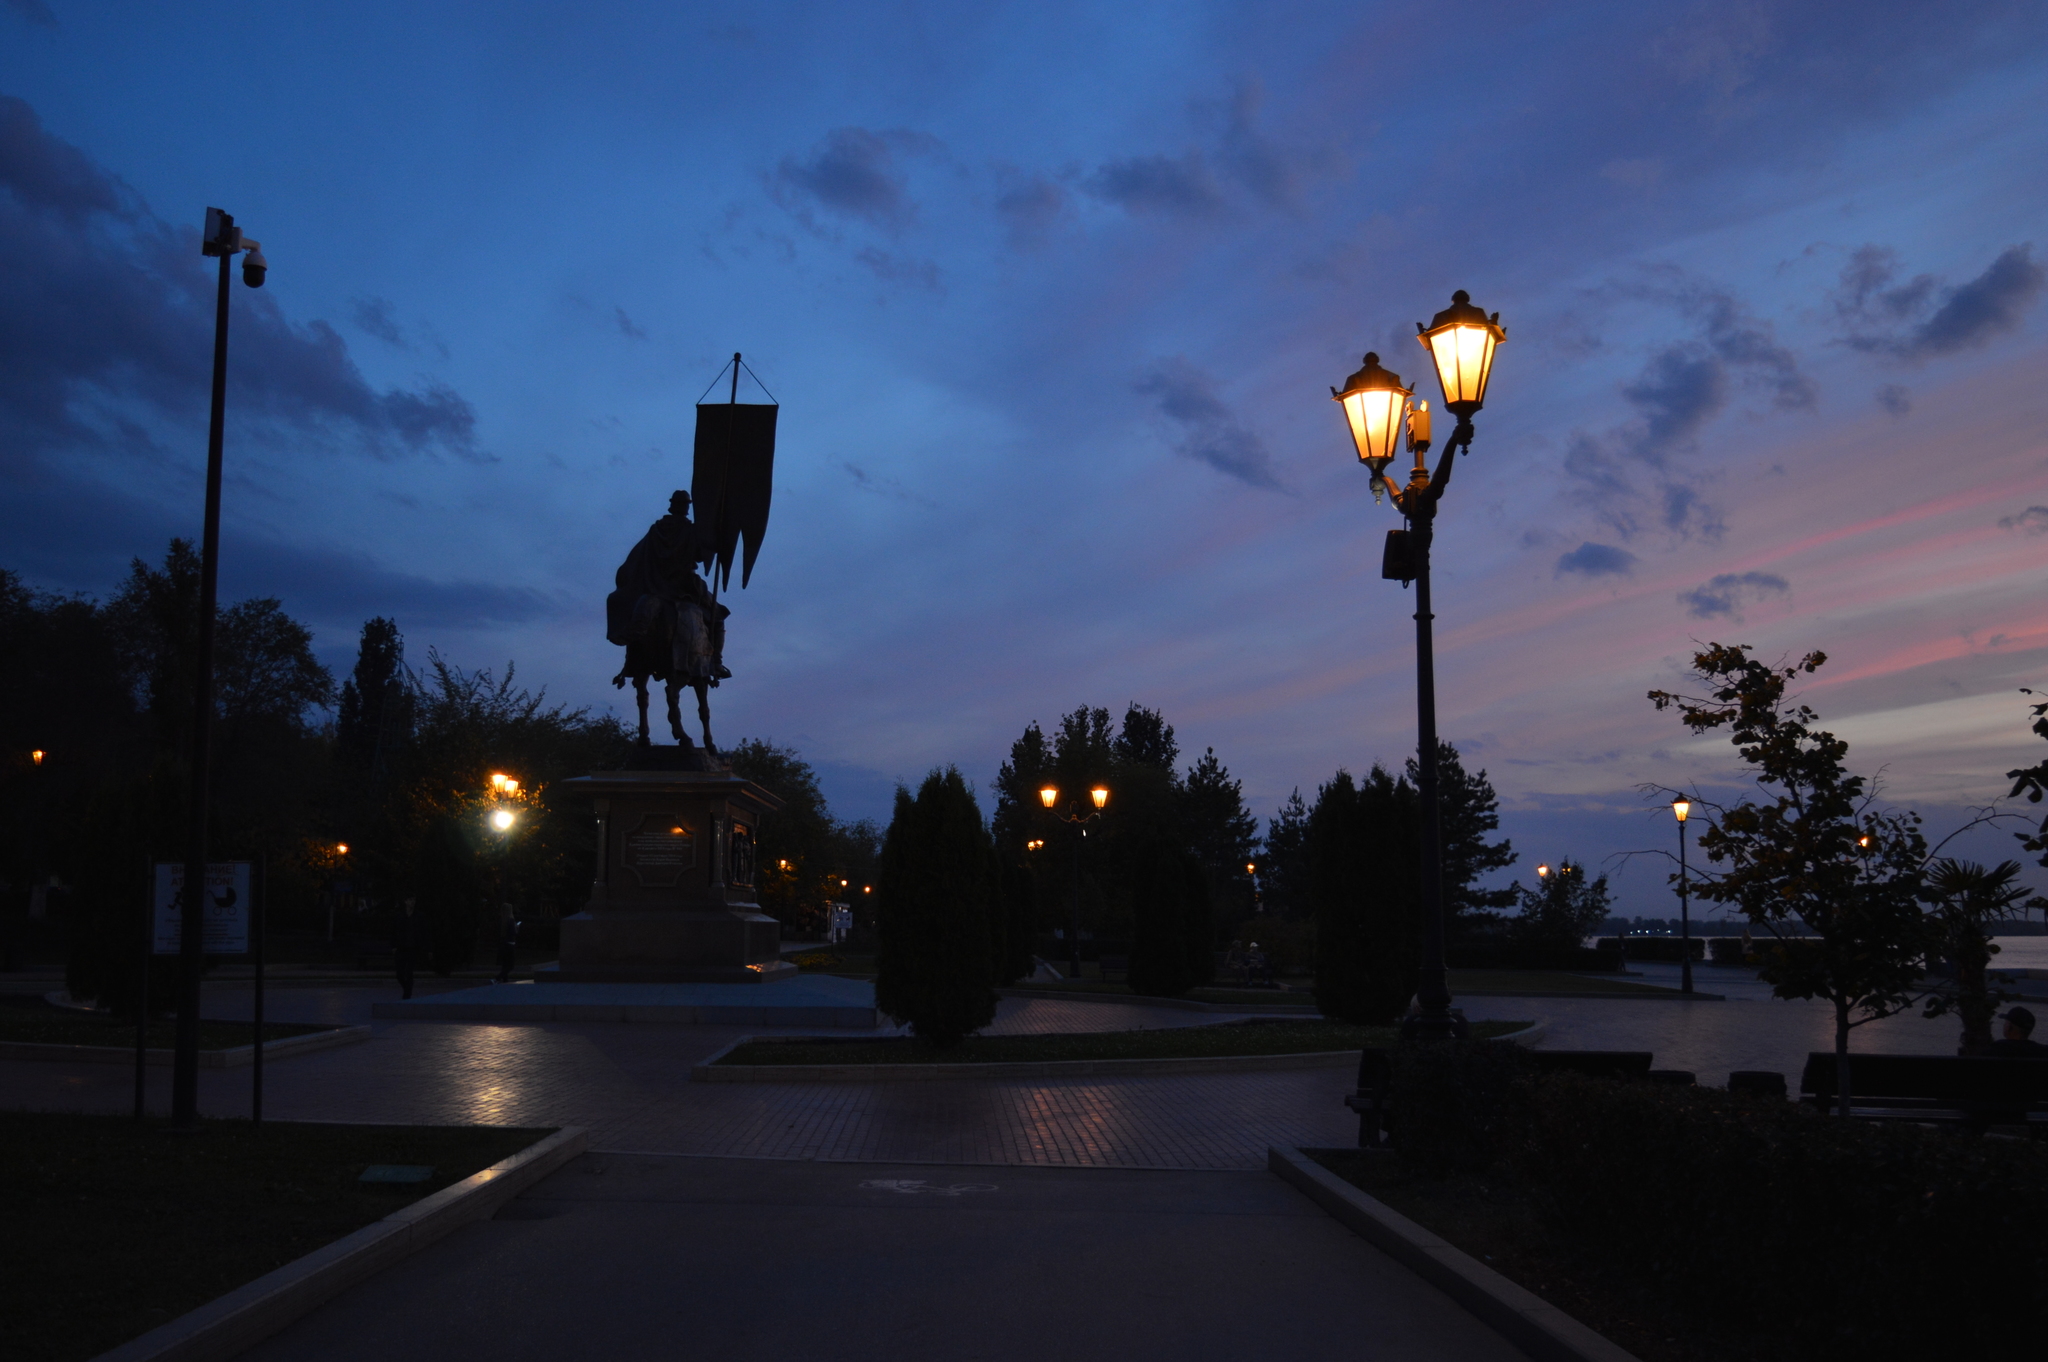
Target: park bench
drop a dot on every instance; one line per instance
(1376, 1077)
(1115, 967)
(1967, 1090)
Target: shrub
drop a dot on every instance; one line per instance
(1450, 1100)
(936, 962)
(1170, 924)
(1364, 880)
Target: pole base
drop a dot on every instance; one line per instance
(1449, 1024)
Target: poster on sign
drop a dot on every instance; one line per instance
(226, 926)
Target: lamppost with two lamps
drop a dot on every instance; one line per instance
(1679, 809)
(1461, 341)
(1049, 795)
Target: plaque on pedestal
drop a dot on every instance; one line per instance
(673, 900)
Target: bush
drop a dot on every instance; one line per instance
(1726, 950)
(1850, 1239)
(1171, 928)
(1366, 886)
(936, 963)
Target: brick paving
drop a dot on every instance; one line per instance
(630, 1084)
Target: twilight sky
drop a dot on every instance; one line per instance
(1053, 296)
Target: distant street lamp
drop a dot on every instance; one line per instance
(1049, 796)
(224, 240)
(1679, 809)
(1461, 340)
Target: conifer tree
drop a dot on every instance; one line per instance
(1365, 882)
(934, 969)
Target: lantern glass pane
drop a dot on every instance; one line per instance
(1464, 355)
(1376, 416)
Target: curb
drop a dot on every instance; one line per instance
(245, 1316)
(1526, 1320)
(709, 1070)
(1671, 996)
(682, 1014)
(1181, 1004)
(241, 1056)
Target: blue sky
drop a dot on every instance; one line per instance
(1053, 296)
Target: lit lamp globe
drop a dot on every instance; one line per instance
(1049, 795)
(1376, 407)
(1680, 808)
(502, 820)
(1461, 339)
(1100, 794)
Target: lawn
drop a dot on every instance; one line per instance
(114, 1228)
(32, 1019)
(1496, 1223)
(1178, 1042)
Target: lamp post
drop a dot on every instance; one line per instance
(1461, 341)
(1049, 795)
(224, 240)
(1679, 809)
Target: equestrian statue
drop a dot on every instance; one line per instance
(665, 611)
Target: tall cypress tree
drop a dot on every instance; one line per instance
(934, 969)
(1365, 881)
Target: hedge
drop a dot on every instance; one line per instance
(1843, 1238)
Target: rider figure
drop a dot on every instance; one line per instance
(676, 547)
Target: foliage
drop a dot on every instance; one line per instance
(1365, 883)
(1967, 898)
(1449, 1101)
(1467, 810)
(1561, 911)
(2032, 781)
(1814, 851)
(1283, 869)
(375, 715)
(937, 901)
(1932, 1244)
(804, 853)
(1171, 933)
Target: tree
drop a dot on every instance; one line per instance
(2032, 781)
(1283, 870)
(1365, 882)
(1467, 810)
(1172, 934)
(1561, 911)
(936, 887)
(1967, 899)
(1220, 830)
(1146, 739)
(375, 718)
(1816, 851)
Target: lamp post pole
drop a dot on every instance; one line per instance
(224, 240)
(1461, 341)
(1050, 795)
(1681, 808)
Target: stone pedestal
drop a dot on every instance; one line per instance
(673, 900)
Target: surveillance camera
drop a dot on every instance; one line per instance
(254, 267)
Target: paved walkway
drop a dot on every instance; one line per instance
(619, 1258)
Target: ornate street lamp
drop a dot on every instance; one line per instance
(1679, 809)
(1049, 795)
(1461, 340)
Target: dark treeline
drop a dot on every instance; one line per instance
(394, 765)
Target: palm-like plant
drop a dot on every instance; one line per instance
(1967, 898)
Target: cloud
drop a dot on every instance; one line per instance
(1030, 206)
(891, 488)
(1597, 560)
(1723, 596)
(1167, 186)
(627, 326)
(1270, 172)
(1208, 430)
(34, 11)
(895, 269)
(2032, 521)
(1895, 399)
(854, 173)
(110, 335)
(1919, 318)
(373, 316)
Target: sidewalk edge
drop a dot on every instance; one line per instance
(1528, 1321)
(245, 1316)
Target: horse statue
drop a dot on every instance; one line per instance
(671, 625)
(663, 613)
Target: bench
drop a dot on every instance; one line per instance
(1373, 1104)
(1973, 1090)
(1115, 967)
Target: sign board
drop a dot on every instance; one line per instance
(226, 927)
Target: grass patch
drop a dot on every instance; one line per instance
(1495, 1221)
(1272, 997)
(1514, 982)
(114, 1228)
(33, 1019)
(1178, 1042)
